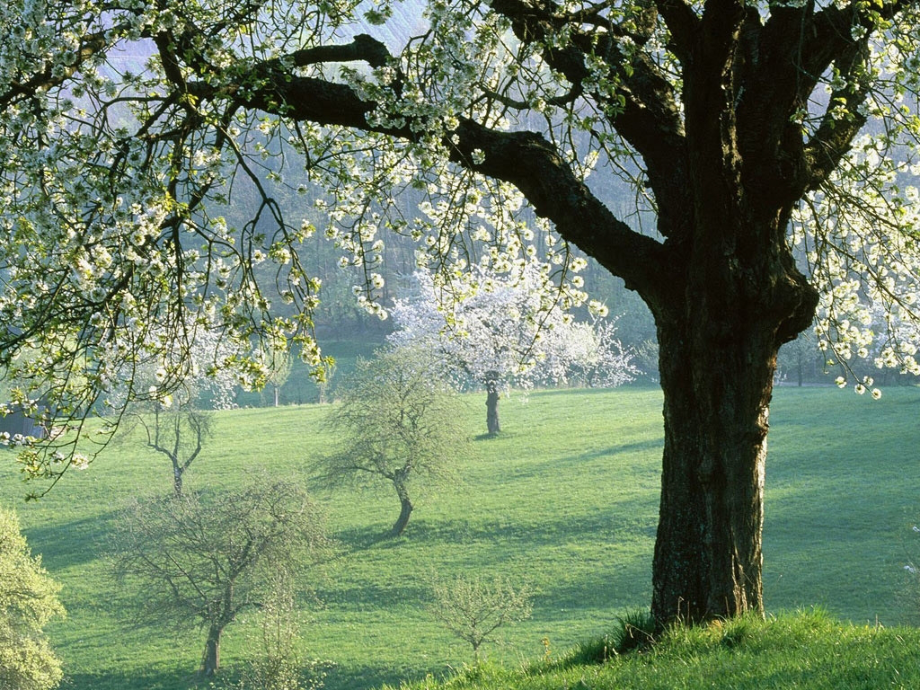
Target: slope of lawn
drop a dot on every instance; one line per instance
(805, 650)
(564, 500)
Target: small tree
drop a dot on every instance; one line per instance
(176, 425)
(473, 608)
(504, 329)
(281, 365)
(179, 434)
(398, 421)
(279, 666)
(205, 558)
(28, 600)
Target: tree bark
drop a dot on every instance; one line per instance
(719, 335)
(405, 511)
(492, 396)
(708, 559)
(211, 663)
(177, 479)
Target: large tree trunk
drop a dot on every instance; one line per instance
(719, 335)
(708, 558)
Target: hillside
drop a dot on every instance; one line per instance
(564, 500)
(806, 650)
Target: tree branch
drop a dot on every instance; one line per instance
(683, 24)
(363, 48)
(526, 160)
(47, 78)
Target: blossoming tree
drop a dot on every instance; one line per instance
(744, 126)
(503, 329)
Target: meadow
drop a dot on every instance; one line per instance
(565, 500)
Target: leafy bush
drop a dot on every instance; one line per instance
(28, 600)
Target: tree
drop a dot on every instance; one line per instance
(179, 434)
(741, 127)
(279, 666)
(177, 424)
(499, 331)
(204, 558)
(281, 366)
(473, 608)
(399, 422)
(28, 600)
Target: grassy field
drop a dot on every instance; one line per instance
(806, 650)
(564, 500)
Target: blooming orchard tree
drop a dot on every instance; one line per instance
(744, 127)
(503, 329)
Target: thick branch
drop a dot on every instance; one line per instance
(719, 25)
(682, 23)
(535, 167)
(834, 137)
(524, 159)
(649, 118)
(363, 48)
(796, 49)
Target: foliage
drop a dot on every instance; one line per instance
(195, 375)
(280, 665)
(398, 421)
(203, 559)
(473, 607)
(28, 601)
(129, 258)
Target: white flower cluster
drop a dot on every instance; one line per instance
(860, 236)
(509, 324)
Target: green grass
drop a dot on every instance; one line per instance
(300, 388)
(565, 500)
(804, 650)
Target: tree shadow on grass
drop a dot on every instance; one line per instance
(625, 584)
(354, 677)
(624, 516)
(368, 537)
(178, 679)
(652, 445)
(630, 515)
(348, 677)
(68, 544)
